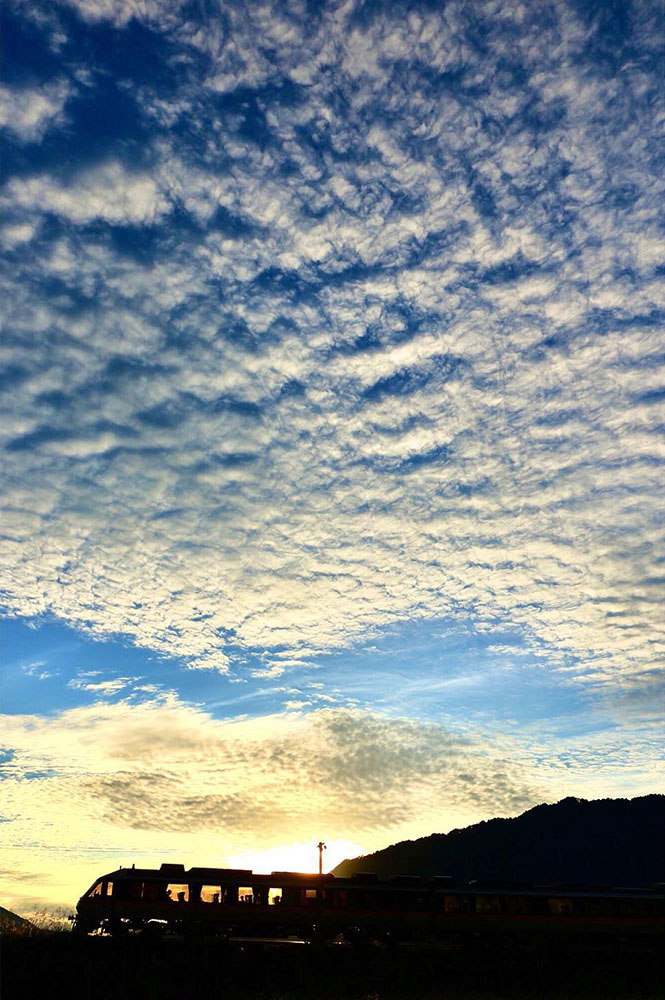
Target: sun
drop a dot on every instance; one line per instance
(300, 857)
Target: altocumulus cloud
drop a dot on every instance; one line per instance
(319, 319)
(29, 113)
(153, 777)
(158, 777)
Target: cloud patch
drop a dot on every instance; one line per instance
(160, 772)
(27, 113)
(368, 329)
(110, 193)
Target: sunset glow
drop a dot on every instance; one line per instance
(302, 857)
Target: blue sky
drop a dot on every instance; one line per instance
(333, 421)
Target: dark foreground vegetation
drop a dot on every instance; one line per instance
(42, 965)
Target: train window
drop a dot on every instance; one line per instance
(561, 907)
(516, 904)
(95, 891)
(211, 893)
(460, 904)
(274, 897)
(151, 891)
(341, 898)
(109, 888)
(307, 897)
(177, 892)
(632, 907)
(488, 904)
(596, 907)
(245, 894)
(128, 890)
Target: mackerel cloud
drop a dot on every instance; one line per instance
(318, 320)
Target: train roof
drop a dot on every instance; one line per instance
(177, 873)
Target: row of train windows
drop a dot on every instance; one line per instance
(177, 892)
(543, 906)
(362, 899)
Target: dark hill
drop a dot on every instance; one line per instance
(600, 842)
(9, 920)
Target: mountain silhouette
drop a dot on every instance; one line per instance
(616, 842)
(10, 920)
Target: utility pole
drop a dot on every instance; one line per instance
(322, 847)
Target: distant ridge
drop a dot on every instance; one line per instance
(598, 842)
(12, 920)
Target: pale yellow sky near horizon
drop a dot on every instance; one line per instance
(117, 783)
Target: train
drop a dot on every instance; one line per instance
(239, 904)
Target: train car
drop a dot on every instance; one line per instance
(237, 903)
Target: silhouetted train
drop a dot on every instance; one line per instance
(236, 902)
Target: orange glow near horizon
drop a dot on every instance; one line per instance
(300, 857)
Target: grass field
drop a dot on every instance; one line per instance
(43, 964)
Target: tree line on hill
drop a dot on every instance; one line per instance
(619, 842)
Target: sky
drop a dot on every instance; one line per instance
(332, 434)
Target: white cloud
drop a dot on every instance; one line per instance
(108, 687)
(275, 670)
(15, 235)
(107, 192)
(157, 13)
(200, 450)
(28, 112)
(36, 669)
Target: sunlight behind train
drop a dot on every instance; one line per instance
(300, 857)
